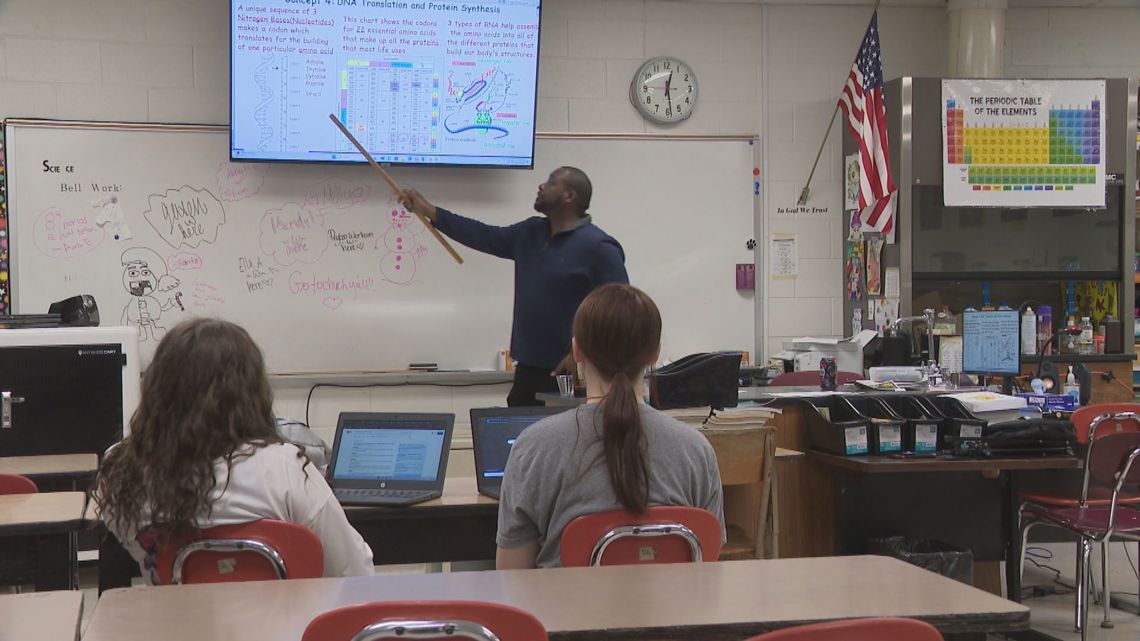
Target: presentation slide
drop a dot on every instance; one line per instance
(415, 82)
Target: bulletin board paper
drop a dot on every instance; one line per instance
(1023, 143)
(785, 257)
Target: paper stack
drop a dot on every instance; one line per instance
(734, 417)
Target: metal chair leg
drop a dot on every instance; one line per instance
(1026, 525)
(1086, 579)
(1104, 552)
(1081, 592)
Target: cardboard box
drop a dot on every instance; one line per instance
(1050, 402)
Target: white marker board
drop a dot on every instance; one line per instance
(325, 269)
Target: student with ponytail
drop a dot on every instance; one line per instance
(614, 452)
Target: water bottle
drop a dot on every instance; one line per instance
(1086, 336)
(1029, 332)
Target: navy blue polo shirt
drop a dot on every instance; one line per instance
(552, 276)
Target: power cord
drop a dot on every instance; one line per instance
(309, 398)
(1033, 553)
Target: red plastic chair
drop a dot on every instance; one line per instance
(811, 377)
(885, 629)
(1110, 460)
(256, 551)
(664, 534)
(17, 484)
(1089, 423)
(425, 620)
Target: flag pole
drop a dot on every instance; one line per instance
(830, 123)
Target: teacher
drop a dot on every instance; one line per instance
(560, 257)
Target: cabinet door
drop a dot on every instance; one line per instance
(65, 398)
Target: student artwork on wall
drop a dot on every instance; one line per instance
(1023, 143)
(874, 266)
(885, 311)
(853, 270)
(851, 182)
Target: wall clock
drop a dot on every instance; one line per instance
(664, 90)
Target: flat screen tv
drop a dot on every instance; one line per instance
(443, 83)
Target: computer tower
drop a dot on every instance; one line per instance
(66, 390)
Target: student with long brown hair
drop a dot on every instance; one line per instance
(614, 452)
(204, 450)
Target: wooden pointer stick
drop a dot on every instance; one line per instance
(396, 188)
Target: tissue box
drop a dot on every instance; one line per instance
(1050, 402)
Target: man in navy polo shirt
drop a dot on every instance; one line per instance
(559, 259)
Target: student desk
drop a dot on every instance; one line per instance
(877, 501)
(41, 616)
(59, 471)
(42, 527)
(690, 601)
(459, 526)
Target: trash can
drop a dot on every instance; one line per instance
(938, 557)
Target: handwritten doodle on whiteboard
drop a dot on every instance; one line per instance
(66, 235)
(185, 216)
(294, 233)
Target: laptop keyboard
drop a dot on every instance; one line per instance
(358, 493)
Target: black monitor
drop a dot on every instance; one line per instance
(991, 342)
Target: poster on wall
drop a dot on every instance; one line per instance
(1023, 143)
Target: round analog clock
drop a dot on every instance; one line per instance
(664, 90)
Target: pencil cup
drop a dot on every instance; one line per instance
(565, 385)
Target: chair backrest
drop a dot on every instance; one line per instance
(17, 484)
(664, 534)
(884, 629)
(1125, 417)
(425, 620)
(1108, 455)
(256, 551)
(811, 377)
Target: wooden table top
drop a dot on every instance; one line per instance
(40, 616)
(879, 464)
(783, 453)
(49, 465)
(458, 494)
(724, 600)
(44, 513)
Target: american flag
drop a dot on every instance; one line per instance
(862, 105)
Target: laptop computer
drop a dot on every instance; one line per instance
(382, 458)
(493, 432)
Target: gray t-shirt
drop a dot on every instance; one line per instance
(556, 473)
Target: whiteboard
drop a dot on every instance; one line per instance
(325, 269)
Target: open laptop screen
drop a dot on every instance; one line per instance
(493, 432)
(405, 454)
(387, 447)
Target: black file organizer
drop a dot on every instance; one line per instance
(919, 420)
(842, 426)
(960, 424)
(883, 421)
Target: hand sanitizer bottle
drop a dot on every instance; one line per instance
(1072, 388)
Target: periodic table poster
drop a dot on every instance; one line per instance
(1023, 143)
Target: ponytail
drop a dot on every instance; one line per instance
(618, 331)
(623, 441)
